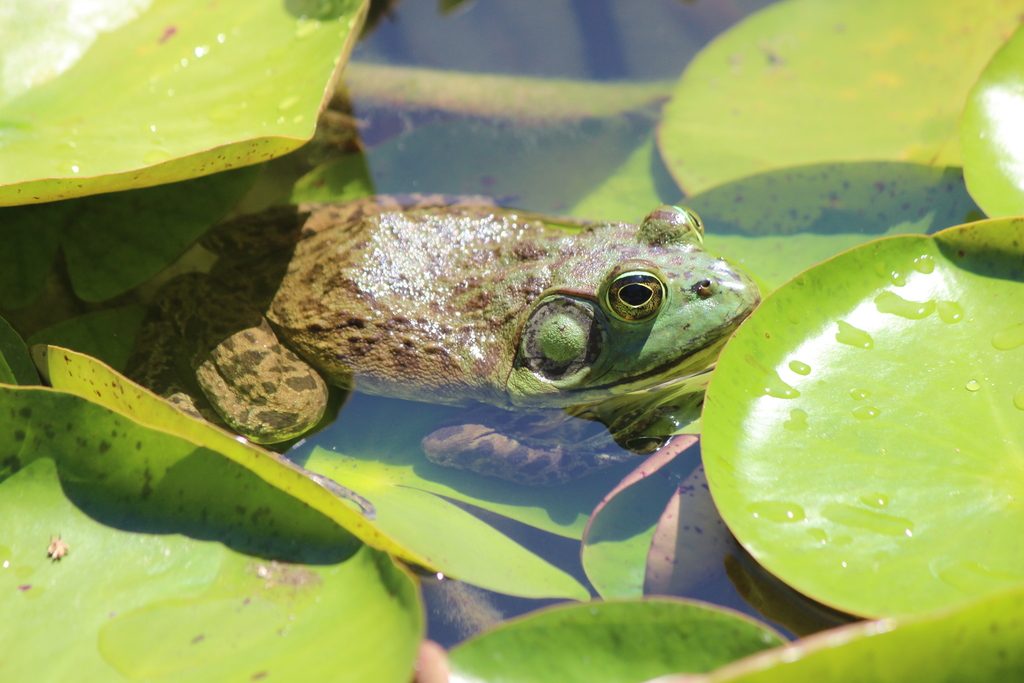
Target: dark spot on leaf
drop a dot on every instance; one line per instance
(19, 434)
(104, 446)
(25, 413)
(24, 587)
(198, 639)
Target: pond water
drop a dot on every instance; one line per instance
(427, 127)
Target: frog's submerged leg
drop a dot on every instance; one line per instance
(486, 450)
(260, 388)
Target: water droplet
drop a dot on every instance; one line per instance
(298, 118)
(201, 51)
(776, 388)
(1018, 399)
(869, 520)
(875, 500)
(858, 394)
(865, 412)
(853, 336)
(797, 420)
(183, 62)
(799, 368)
(75, 168)
(152, 128)
(1009, 338)
(950, 311)
(888, 302)
(288, 102)
(924, 264)
(777, 511)
(897, 278)
(972, 385)
(170, 92)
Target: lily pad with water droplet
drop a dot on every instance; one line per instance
(991, 133)
(616, 642)
(888, 480)
(805, 82)
(99, 97)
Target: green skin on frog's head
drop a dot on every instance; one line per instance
(662, 308)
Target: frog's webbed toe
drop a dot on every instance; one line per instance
(482, 449)
(260, 388)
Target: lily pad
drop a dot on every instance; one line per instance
(15, 363)
(458, 543)
(113, 243)
(107, 335)
(617, 539)
(115, 96)
(978, 642)
(131, 554)
(83, 376)
(804, 82)
(990, 132)
(611, 641)
(856, 456)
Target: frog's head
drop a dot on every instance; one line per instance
(645, 305)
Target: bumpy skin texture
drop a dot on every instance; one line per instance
(427, 299)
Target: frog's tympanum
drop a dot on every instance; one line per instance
(452, 302)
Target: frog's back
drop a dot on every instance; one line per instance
(423, 303)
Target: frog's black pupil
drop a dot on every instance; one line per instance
(635, 295)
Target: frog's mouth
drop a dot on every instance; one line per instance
(696, 366)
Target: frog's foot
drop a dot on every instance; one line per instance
(481, 449)
(234, 376)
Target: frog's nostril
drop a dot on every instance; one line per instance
(704, 289)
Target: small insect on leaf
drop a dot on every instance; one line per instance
(57, 548)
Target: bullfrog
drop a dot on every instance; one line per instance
(451, 301)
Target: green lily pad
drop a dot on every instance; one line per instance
(611, 641)
(461, 545)
(862, 430)
(131, 96)
(107, 335)
(15, 363)
(776, 224)
(990, 134)
(978, 642)
(179, 564)
(83, 376)
(523, 99)
(114, 242)
(617, 539)
(805, 82)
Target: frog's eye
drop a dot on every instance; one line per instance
(635, 296)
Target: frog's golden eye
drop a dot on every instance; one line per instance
(635, 296)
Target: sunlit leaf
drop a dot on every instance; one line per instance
(852, 452)
(806, 82)
(991, 134)
(177, 563)
(110, 96)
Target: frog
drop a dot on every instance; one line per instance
(455, 301)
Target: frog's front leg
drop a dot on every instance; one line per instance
(538, 449)
(259, 387)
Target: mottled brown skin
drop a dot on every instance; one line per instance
(427, 299)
